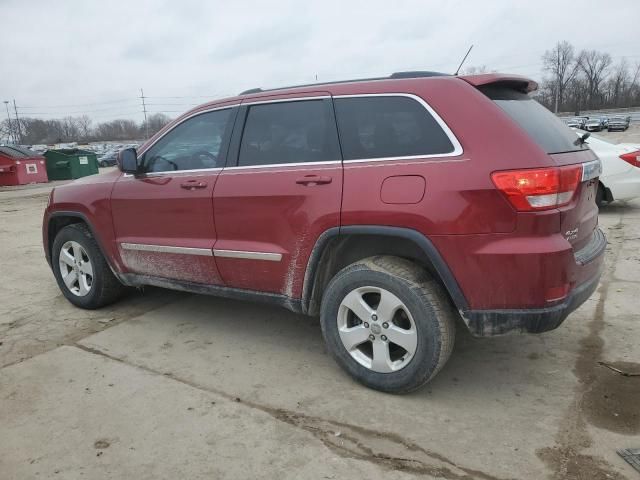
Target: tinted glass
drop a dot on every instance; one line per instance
(377, 127)
(289, 132)
(543, 127)
(192, 145)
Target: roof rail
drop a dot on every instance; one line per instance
(398, 75)
(251, 90)
(418, 74)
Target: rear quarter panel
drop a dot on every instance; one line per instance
(460, 197)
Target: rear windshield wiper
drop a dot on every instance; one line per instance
(582, 139)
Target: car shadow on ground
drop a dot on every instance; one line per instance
(236, 345)
(619, 206)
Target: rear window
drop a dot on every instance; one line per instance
(388, 126)
(547, 130)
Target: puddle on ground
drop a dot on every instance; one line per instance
(612, 401)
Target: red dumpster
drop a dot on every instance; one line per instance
(19, 166)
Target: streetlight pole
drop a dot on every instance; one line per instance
(6, 104)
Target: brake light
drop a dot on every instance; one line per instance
(540, 188)
(633, 158)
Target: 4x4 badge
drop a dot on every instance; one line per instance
(571, 234)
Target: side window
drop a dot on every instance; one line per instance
(192, 145)
(289, 132)
(388, 126)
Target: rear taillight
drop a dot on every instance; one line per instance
(633, 158)
(540, 188)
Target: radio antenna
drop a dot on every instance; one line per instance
(462, 62)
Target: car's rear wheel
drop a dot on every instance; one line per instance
(82, 273)
(388, 323)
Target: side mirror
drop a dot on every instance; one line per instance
(127, 160)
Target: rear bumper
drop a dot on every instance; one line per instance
(485, 323)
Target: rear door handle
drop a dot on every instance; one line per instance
(313, 180)
(193, 184)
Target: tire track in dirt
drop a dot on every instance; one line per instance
(566, 458)
(385, 449)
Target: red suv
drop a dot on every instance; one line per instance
(389, 207)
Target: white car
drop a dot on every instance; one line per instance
(620, 179)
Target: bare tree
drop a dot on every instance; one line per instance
(155, 122)
(561, 64)
(476, 70)
(70, 129)
(84, 126)
(5, 131)
(594, 66)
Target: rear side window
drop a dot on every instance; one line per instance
(289, 132)
(388, 126)
(547, 130)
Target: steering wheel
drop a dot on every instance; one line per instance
(158, 159)
(210, 158)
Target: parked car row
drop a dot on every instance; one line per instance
(596, 124)
(108, 159)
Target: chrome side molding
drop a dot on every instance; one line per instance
(243, 254)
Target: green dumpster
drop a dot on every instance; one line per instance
(70, 163)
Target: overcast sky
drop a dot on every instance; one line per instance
(72, 57)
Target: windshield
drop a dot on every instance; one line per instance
(547, 130)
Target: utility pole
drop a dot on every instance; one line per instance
(144, 110)
(6, 104)
(18, 127)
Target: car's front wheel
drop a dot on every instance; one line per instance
(388, 323)
(82, 273)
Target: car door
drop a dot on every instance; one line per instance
(163, 217)
(282, 189)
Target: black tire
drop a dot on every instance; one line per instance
(105, 288)
(425, 299)
(103, 164)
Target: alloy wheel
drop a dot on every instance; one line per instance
(377, 329)
(75, 268)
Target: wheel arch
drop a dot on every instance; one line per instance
(60, 219)
(338, 247)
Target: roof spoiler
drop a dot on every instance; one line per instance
(517, 82)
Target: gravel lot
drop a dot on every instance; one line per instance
(171, 385)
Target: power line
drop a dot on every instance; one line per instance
(79, 104)
(72, 113)
(55, 116)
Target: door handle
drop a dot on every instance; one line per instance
(313, 180)
(193, 184)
